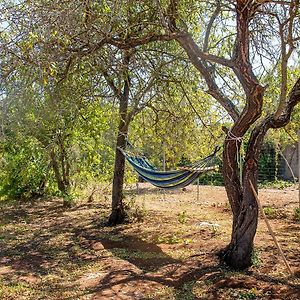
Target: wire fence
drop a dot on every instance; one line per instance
(274, 166)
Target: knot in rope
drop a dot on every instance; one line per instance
(232, 137)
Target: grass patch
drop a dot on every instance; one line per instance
(270, 212)
(164, 293)
(276, 184)
(296, 215)
(135, 254)
(16, 290)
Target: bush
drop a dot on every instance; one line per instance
(270, 212)
(297, 214)
(23, 171)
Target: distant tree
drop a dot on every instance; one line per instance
(56, 37)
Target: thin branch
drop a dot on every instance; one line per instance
(209, 26)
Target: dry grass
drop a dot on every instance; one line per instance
(48, 252)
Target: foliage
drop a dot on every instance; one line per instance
(256, 261)
(277, 184)
(41, 131)
(182, 217)
(268, 163)
(297, 214)
(270, 212)
(23, 169)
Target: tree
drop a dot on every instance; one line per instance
(110, 33)
(131, 77)
(183, 123)
(227, 58)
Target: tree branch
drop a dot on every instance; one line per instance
(209, 26)
(192, 51)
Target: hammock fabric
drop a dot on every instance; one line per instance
(169, 179)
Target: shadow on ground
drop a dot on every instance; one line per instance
(49, 252)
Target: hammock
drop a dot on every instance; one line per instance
(170, 179)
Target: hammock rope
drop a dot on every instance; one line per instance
(170, 179)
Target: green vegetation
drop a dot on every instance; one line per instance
(270, 212)
(297, 214)
(182, 217)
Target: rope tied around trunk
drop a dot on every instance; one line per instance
(233, 137)
(238, 139)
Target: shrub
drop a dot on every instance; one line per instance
(297, 214)
(270, 212)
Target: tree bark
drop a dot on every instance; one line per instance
(65, 165)
(244, 206)
(118, 214)
(238, 254)
(59, 180)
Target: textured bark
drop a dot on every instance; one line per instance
(244, 206)
(58, 177)
(238, 253)
(118, 214)
(65, 165)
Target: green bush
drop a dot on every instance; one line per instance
(212, 178)
(23, 169)
(297, 214)
(270, 212)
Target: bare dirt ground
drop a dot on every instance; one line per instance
(168, 252)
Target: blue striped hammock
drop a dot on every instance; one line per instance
(172, 179)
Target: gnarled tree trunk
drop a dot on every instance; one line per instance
(244, 206)
(58, 177)
(238, 253)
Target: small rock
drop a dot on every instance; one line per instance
(98, 246)
(203, 224)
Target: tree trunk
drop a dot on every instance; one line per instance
(118, 214)
(59, 180)
(65, 166)
(238, 254)
(62, 184)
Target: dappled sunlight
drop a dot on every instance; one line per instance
(70, 253)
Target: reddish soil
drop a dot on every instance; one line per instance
(49, 252)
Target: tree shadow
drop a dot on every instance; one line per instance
(176, 276)
(144, 255)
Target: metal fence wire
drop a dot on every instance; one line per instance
(274, 165)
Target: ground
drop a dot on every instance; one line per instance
(168, 252)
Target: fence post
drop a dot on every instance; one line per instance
(299, 164)
(198, 189)
(164, 167)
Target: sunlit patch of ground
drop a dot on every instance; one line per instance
(169, 252)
